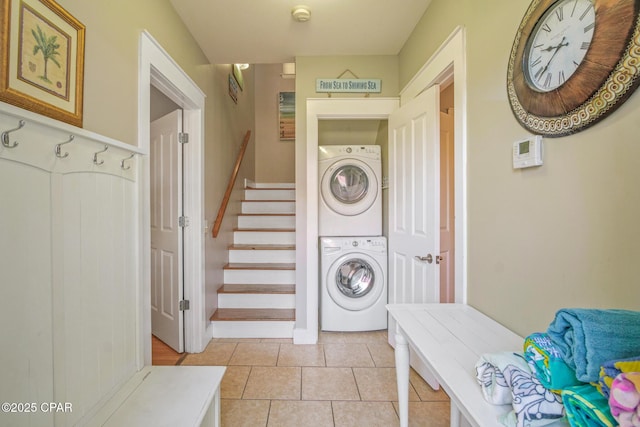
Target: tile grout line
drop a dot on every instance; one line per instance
(355, 380)
(246, 383)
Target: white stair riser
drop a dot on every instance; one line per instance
(264, 237)
(264, 329)
(272, 207)
(285, 194)
(270, 185)
(259, 221)
(260, 277)
(262, 256)
(256, 301)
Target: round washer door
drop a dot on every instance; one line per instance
(355, 281)
(349, 187)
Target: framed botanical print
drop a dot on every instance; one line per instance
(42, 54)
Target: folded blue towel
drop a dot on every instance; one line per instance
(587, 338)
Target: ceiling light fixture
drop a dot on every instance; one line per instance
(301, 13)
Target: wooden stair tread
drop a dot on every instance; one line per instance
(266, 214)
(270, 188)
(254, 314)
(268, 201)
(261, 247)
(259, 266)
(260, 230)
(256, 289)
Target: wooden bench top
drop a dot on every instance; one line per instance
(164, 396)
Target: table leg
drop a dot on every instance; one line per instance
(455, 415)
(402, 377)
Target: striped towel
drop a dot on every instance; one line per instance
(611, 369)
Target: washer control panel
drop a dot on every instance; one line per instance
(376, 244)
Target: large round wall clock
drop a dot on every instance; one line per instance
(573, 62)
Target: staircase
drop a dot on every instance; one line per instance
(257, 299)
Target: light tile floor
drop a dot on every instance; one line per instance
(346, 380)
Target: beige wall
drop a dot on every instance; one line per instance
(275, 158)
(226, 126)
(562, 235)
(111, 106)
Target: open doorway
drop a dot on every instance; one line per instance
(166, 207)
(159, 70)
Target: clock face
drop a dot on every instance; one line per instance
(558, 44)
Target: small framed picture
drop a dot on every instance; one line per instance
(237, 74)
(42, 57)
(287, 115)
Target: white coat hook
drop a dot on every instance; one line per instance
(5, 135)
(95, 156)
(58, 150)
(124, 160)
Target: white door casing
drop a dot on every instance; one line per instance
(157, 68)
(414, 200)
(447, 209)
(166, 234)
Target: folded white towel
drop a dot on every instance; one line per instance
(490, 371)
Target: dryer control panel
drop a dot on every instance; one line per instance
(331, 151)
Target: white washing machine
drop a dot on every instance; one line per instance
(353, 282)
(350, 201)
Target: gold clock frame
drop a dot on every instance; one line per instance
(604, 80)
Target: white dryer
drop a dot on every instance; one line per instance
(350, 201)
(353, 282)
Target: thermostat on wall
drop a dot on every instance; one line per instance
(527, 152)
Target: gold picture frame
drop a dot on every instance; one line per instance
(42, 54)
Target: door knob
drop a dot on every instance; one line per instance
(428, 258)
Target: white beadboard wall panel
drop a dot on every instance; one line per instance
(69, 248)
(100, 293)
(26, 364)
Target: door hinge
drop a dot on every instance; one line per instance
(183, 221)
(183, 137)
(184, 305)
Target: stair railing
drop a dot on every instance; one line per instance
(232, 181)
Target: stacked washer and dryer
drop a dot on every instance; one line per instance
(353, 252)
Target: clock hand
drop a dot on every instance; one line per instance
(557, 48)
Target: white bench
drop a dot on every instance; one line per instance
(449, 339)
(165, 396)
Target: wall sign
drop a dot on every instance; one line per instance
(349, 85)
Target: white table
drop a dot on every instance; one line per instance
(449, 339)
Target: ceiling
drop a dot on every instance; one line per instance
(263, 31)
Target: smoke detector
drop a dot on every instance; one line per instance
(301, 13)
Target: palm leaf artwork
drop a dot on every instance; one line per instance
(48, 47)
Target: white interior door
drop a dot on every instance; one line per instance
(166, 233)
(414, 204)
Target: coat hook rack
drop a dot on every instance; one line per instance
(5, 135)
(95, 156)
(58, 150)
(124, 160)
